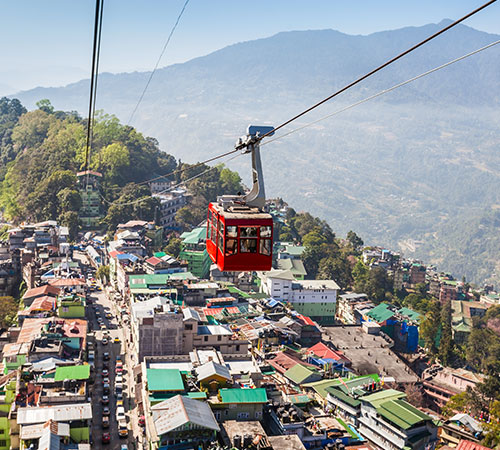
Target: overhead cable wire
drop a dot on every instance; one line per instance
(369, 74)
(96, 76)
(171, 188)
(385, 91)
(158, 61)
(98, 15)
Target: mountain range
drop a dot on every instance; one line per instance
(417, 168)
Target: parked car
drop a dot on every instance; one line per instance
(106, 438)
(109, 316)
(116, 340)
(124, 447)
(118, 358)
(120, 413)
(122, 428)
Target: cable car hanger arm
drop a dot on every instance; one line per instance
(250, 144)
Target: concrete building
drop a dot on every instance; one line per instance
(316, 299)
(350, 307)
(195, 253)
(88, 186)
(170, 203)
(157, 328)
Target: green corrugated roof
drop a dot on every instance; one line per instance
(197, 395)
(298, 374)
(382, 396)
(299, 399)
(294, 250)
(401, 413)
(243, 395)
(321, 386)
(296, 266)
(343, 397)
(194, 236)
(81, 372)
(413, 315)
(380, 313)
(164, 380)
(160, 254)
(352, 433)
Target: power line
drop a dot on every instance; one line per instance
(158, 62)
(387, 63)
(385, 91)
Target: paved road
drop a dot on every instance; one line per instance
(101, 305)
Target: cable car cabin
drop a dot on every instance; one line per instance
(240, 238)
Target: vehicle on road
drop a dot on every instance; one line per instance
(105, 399)
(124, 447)
(105, 421)
(99, 320)
(118, 379)
(116, 340)
(103, 326)
(142, 421)
(119, 402)
(122, 428)
(120, 413)
(105, 411)
(105, 355)
(104, 341)
(105, 388)
(109, 316)
(105, 380)
(105, 372)
(106, 438)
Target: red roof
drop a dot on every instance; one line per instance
(72, 328)
(468, 445)
(306, 320)
(44, 303)
(40, 291)
(114, 253)
(324, 352)
(63, 282)
(154, 260)
(284, 361)
(90, 172)
(214, 311)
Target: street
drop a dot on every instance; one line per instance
(105, 310)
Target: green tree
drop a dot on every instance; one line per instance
(356, 242)
(446, 345)
(45, 105)
(430, 326)
(103, 273)
(70, 219)
(69, 200)
(8, 311)
(337, 269)
(173, 246)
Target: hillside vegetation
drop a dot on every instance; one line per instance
(420, 164)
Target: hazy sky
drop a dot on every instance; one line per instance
(49, 42)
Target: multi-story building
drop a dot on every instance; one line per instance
(349, 307)
(195, 253)
(170, 203)
(441, 383)
(316, 299)
(88, 186)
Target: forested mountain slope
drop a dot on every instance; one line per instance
(418, 167)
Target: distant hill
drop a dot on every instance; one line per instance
(420, 165)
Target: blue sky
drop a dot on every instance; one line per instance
(49, 42)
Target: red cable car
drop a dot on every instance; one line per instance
(239, 232)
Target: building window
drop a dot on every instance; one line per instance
(219, 338)
(205, 338)
(238, 347)
(188, 326)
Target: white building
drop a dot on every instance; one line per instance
(313, 298)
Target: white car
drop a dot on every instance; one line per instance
(120, 413)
